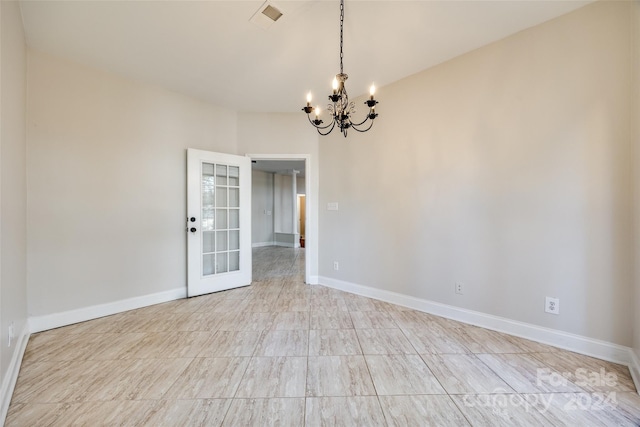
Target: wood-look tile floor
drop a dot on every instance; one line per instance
(281, 353)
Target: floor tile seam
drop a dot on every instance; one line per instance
(480, 361)
(306, 374)
(258, 341)
(418, 353)
(502, 377)
(235, 394)
(460, 411)
(415, 351)
(366, 363)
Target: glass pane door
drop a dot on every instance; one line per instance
(218, 221)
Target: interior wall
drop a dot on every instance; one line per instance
(13, 255)
(283, 203)
(262, 208)
(508, 170)
(106, 175)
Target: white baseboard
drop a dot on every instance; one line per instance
(9, 381)
(284, 245)
(57, 320)
(634, 367)
(262, 244)
(577, 343)
(314, 280)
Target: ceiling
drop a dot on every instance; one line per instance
(210, 50)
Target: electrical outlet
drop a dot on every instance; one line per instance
(10, 335)
(552, 305)
(336, 266)
(459, 288)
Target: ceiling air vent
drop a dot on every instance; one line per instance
(266, 15)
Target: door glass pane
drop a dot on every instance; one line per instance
(221, 174)
(208, 196)
(234, 240)
(234, 218)
(221, 263)
(234, 261)
(221, 219)
(207, 169)
(208, 241)
(221, 241)
(208, 262)
(234, 197)
(234, 176)
(221, 197)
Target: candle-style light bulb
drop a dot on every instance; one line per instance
(334, 84)
(308, 99)
(372, 90)
(317, 111)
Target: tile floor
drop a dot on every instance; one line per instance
(281, 353)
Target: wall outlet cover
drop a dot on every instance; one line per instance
(459, 288)
(552, 305)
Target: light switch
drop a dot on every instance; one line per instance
(333, 206)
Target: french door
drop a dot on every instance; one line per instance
(218, 222)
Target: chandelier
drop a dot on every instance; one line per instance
(340, 108)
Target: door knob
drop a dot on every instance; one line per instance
(193, 229)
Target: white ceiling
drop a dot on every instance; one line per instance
(210, 50)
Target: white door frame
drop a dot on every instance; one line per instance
(311, 237)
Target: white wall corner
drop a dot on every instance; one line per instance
(634, 367)
(584, 345)
(9, 381)
(57, 320)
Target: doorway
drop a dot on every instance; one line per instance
(277, 171)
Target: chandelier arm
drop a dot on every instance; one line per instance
(333, 124)
(316, 126)
(362, 130)
(362, 122)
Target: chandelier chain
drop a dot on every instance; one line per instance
(341, 25)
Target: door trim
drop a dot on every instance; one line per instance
(311, 206)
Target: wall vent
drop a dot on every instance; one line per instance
(266, 15)
(272, 13)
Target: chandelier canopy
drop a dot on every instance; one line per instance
(340, 108)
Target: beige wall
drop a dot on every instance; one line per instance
(13, 279)
(106, 183)
(283, 204)
(507, 169)
(261, 201)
